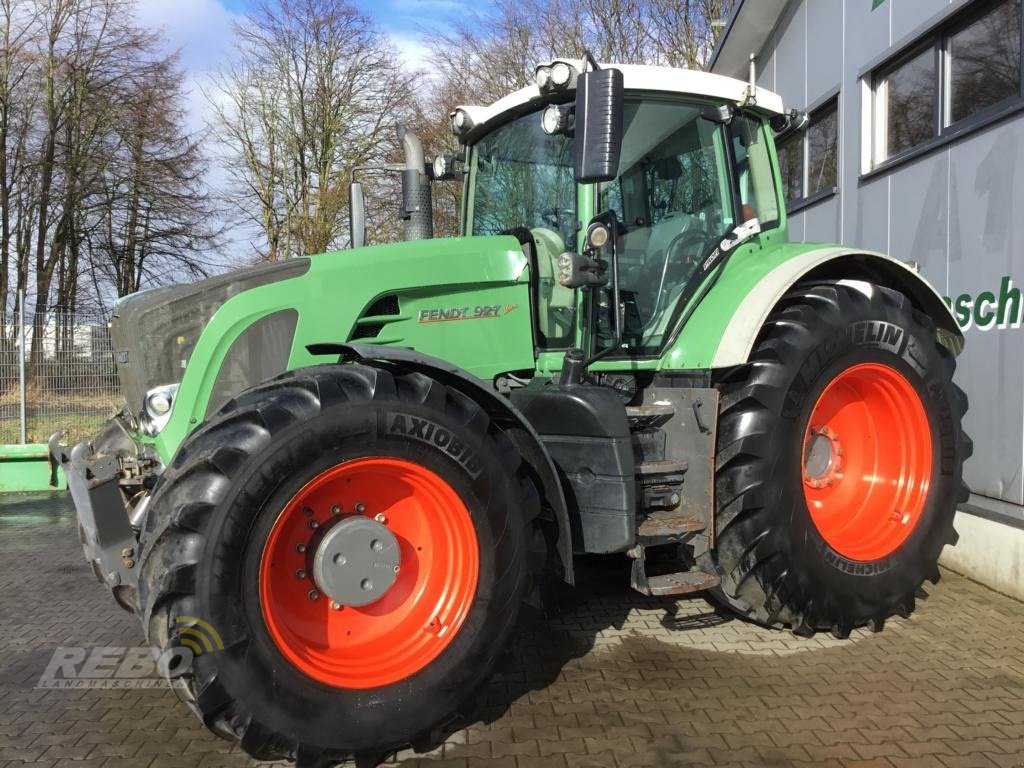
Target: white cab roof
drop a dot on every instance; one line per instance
(642, 78)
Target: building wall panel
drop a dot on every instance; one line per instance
(821, 222)
(986, 235)
(790, 60)
(824, 56)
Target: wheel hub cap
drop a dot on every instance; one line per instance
(823, 457)
(357, 562)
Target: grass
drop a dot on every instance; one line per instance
(81, 413)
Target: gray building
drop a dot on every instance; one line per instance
(915, 147)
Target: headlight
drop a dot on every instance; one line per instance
(598, 236)
(559, 76)
(557, 119)
(444, 166)
(543, 77)
(462, 123)
(156, 408)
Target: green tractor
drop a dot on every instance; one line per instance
(337, 478)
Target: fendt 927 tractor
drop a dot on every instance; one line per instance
(352, 469)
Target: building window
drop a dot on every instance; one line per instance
(816, 149)
(905, 98)
(984, 61)
(823, 149)
(968, 67)
(791, 163)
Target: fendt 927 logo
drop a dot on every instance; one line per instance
(449, 314)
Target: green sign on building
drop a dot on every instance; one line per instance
(876, 3)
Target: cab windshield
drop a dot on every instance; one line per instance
(522, 177)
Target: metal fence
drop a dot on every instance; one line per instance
(56, 372)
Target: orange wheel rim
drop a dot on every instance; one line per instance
(418, 616)
(867, 461)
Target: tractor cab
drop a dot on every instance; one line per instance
(677, 164)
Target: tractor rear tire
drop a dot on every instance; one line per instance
(839, 462)
(278, 666)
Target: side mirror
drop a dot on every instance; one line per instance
(599, 107)
(789, 122)
(356, 215)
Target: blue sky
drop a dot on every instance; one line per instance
(201, 28)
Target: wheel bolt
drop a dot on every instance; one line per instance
(335, 510)
(300, 548)
(335, 606)
(314, 524)
(380, 518)
(314, 595)
(360, 508)
(366, 585)
(300, 574)
(397, 568)
(307, 511)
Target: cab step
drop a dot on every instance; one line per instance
(667, 584)
(683, 583)
(661, 467)
(644, 417)
(666, 526)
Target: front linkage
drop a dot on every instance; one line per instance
(109, 478)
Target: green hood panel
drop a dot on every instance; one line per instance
(465, 300)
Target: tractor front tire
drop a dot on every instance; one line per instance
(839, 462)
(394, 475)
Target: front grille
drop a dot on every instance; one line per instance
(385, 305)
(367, 331)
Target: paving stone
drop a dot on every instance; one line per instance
(614, 680)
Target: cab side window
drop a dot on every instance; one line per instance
(754, 170)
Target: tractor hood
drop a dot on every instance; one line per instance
(465, 300)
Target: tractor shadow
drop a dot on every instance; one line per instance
(608, 677)
(576, 620)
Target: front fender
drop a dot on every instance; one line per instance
(499, 408)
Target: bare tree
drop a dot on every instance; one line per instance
(314, 91)
(149, 213)
(100, 185)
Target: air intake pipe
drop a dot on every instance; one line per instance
(417, 210)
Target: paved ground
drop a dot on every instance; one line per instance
(617, 680)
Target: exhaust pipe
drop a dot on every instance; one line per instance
(417, 210)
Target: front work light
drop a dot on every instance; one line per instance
(557, 76)
(462, 123)
(557, 119)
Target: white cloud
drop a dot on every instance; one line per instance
(413, 51)
(201, 29)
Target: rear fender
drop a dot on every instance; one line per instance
(830, 263)
(500, 409)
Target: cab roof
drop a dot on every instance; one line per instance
(637, 78)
